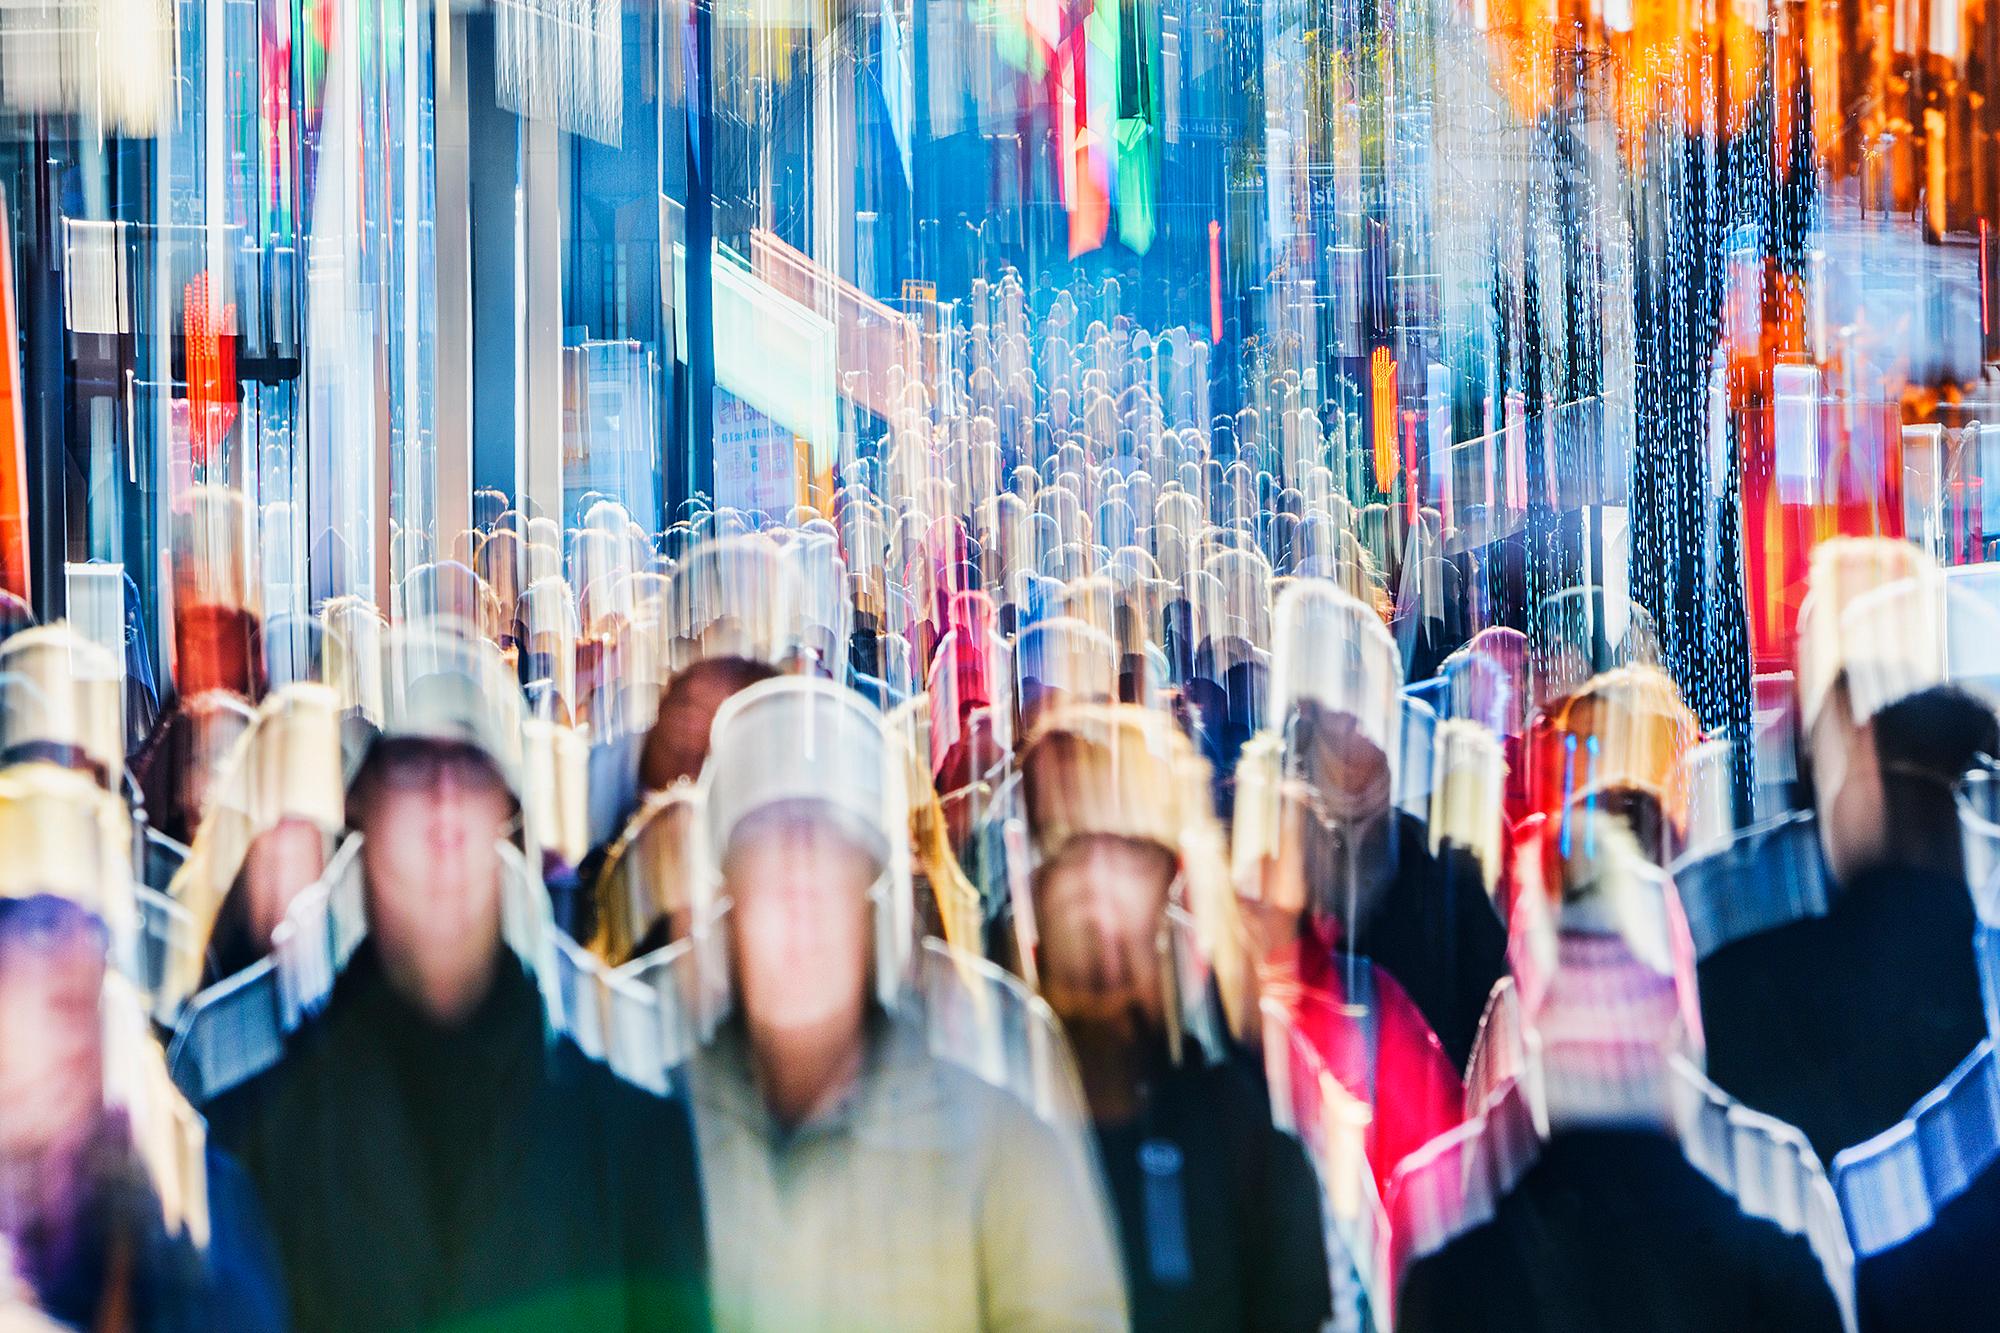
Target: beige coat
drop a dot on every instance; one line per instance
(928, 1201)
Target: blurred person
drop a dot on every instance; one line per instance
(114, 1209)
(1226, 707)
(1612, 1205)
(1329, 861)
(628, 771)
(93, 1247)
(1617, 744)
(280, 863)
(643, 897)
(969, 720)
(432, 1148)
(1218, 1210)
(1864, 997)
(266, 837)
(856, 1175)
(677, 744)
(177, 768)
(1922, 1198)
(1338, 868)
(59, 703)
(218, 658)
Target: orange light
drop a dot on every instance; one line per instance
(1664, 58)
(1382, 374)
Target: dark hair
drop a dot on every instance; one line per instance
(1940, 732)
(677, 745)
(386, 751)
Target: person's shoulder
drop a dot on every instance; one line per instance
(246, 1289)
(1647, 1178)
(1225, 1095)
(1944, 1265)
(1621, 1164)
(1768, 960)
(965, 1093)
(607, 1121)
(240, 1117)
(594, 1087)
(977, 1115)
(1444, 1289)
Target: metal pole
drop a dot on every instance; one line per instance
(42, 382)
(700, 251)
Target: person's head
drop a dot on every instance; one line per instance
(1118, 815)
(281, 789)
(190, 757)
(799, 930)
(677, 745)
(432, 815)
(217, 648)
(1059, 663)
(1885, 740)
(645, 890)
(1924, 745)
(1882, 786)
(60, 699)
(1617, 746)
(1638, 810)
(804, 801)
(1100, 907)
(1335, 848)
(280, 863)
(1336, 709)
(52, 965)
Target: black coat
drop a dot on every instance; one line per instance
(489, 1178)
(1224, 1232)
(1616, 1232)
(1941, 1279)
(1839, 1024)
(1439, 935)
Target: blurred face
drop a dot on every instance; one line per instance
(1334, 848)
(281, 863)
(1641, 814)
(799, 927)
(1847, 790)
(1351, 782)
(1282, 896)
(684, 721)
(51, 1035)
(1098, 910)
(433, 819)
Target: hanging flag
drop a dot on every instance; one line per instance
(13, 433)
(1138, 122)
(1087, 196)
(210, 338)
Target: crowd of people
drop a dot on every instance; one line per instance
(1087, 869)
